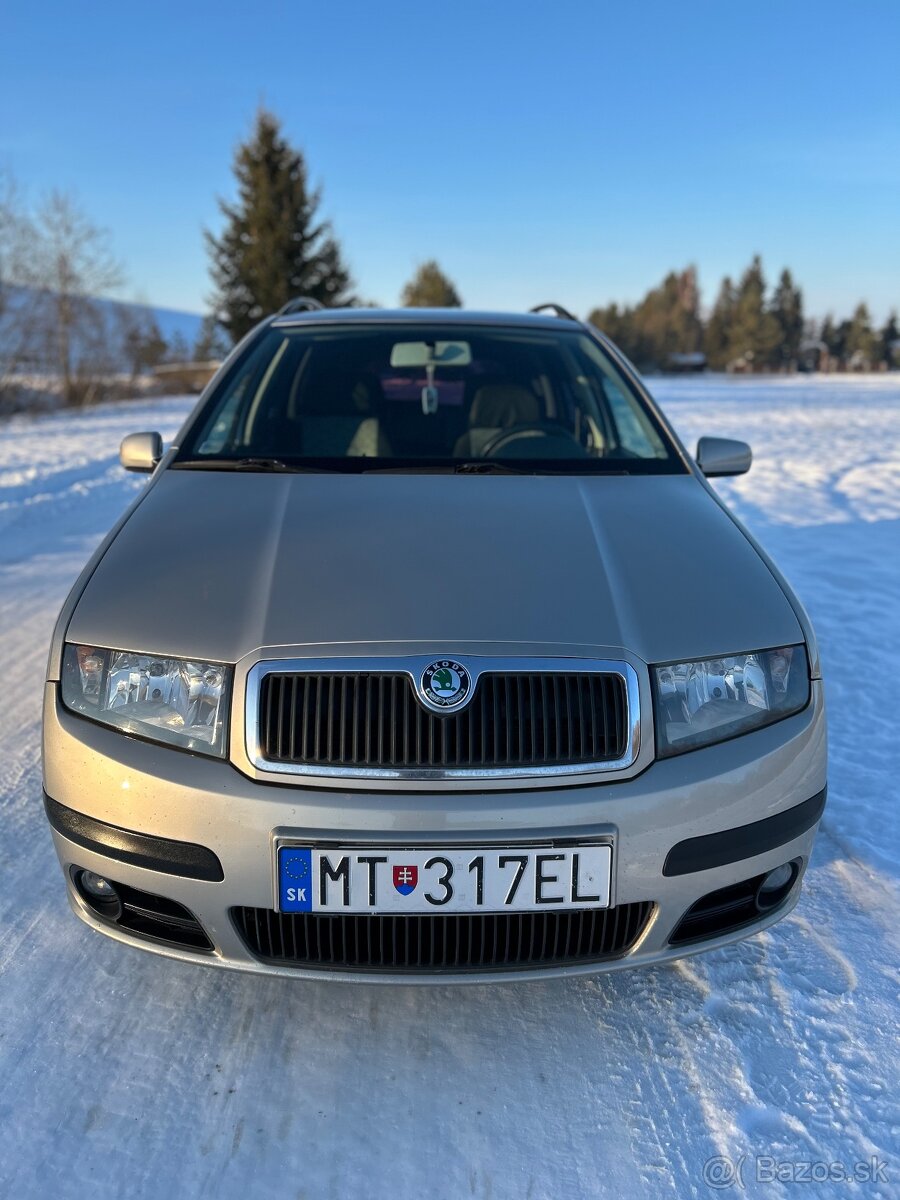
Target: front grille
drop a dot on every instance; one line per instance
(374, 721)
(428, 943)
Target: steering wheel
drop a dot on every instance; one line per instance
(534, 441)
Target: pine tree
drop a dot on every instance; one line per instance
(787, 311)
(754, 332)
(689, 323)
(862, 341)
(143, 344)
(211, 344)
(831, 334)
(666, 322)
(178, 350)
(889, 341)
(677, 328)
(430, 288)
(618, 324)
(717, 337)
(274, 246)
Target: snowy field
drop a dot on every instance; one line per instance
(124, 1075)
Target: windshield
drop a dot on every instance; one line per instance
(405, 396)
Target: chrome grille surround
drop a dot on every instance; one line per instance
(412, 666)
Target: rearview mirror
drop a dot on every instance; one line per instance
(431, 354)
(723, 456)
(140, 451)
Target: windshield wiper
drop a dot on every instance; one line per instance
(489, 467)
(405, 470)
(485, 467)
(249, 464)
(447, 468)
(354, 466)
(558, 467)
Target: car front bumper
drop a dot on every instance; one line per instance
(161, 793)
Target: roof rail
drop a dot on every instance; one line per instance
(300, 304)
(556, 309)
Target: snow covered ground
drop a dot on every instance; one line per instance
(127, 1075)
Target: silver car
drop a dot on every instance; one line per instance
(429, 653)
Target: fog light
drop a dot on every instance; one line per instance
(97, 887)
(99, 894)
(776, 885)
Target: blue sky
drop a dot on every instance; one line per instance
(573, 151)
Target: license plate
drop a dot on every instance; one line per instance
(370, 879)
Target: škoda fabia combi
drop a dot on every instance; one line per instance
(428, 653)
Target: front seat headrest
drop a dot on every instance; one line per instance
(502, 405)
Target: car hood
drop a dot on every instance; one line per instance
(214, 565)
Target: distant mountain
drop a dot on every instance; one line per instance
(169, 320)
(27, 319)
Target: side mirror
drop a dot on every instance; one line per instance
(723, 456)
(140, 451)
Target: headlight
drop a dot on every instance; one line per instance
(698, 703)
(172, 700)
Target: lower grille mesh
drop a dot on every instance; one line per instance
(426, 943)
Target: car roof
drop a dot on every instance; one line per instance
(421, 316)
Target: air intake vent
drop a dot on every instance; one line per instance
(431, 943)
